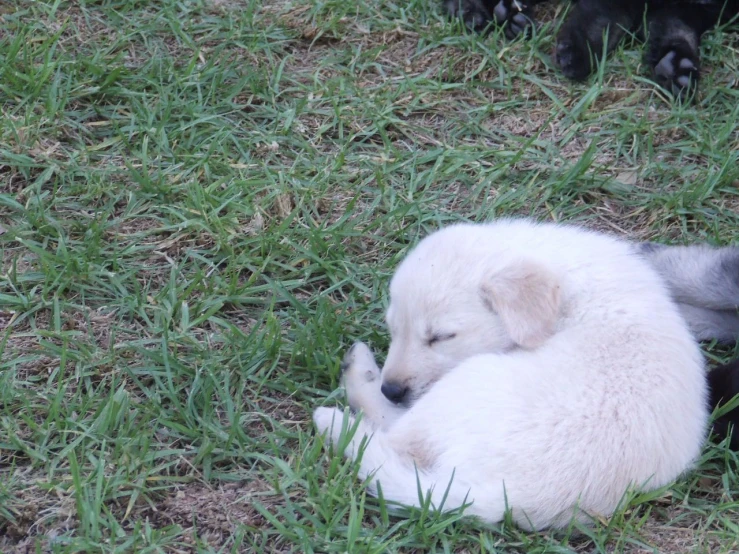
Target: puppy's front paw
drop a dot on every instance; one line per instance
(678, 73)
(359, 360)
(358, 371)
(328, 422)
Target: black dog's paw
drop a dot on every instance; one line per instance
(678, 73)
(515, 16)
(572, 56)
(473, 12)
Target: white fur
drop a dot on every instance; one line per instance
(570, 378)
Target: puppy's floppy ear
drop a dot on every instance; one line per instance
(526, 296)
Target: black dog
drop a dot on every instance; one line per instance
(673, 31)
(723, 384)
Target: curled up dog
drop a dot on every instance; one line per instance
(533, 367)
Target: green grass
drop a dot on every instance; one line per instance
(201, 202)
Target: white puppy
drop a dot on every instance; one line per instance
(543, 367)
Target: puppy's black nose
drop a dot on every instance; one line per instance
(394, 392)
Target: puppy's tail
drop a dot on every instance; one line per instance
(704, 281)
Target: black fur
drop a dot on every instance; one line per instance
(673, 31)
(723, 384)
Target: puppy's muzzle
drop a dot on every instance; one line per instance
(394, 392)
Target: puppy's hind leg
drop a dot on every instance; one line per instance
(361, 380)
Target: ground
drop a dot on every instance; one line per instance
(201, 202)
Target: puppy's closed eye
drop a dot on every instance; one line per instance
(435, 338)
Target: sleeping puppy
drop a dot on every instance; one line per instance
(702, 280)
(538, 367)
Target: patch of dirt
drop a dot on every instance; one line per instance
(93, 328)
(213, 512)
(265, 408)
(40, 510)
(691, 534)
(5, 318)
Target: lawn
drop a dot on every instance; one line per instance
(201, 203)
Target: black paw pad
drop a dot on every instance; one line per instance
(473, 12)
(677, 74)
(516, 17)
